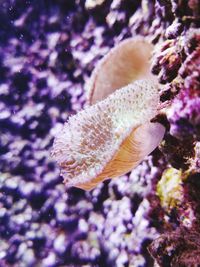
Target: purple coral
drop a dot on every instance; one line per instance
(185, 118)
(48, 50)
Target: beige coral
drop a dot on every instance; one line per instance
(109, 138)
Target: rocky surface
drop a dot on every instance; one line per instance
(48, 50)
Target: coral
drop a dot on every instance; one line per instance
(169, 188)
(184, 119)
(122, 65)
(109, 138)
(179, 248)
(48, 52)
(167, 62)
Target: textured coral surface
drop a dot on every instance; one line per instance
(47, 53)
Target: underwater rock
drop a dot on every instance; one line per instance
(178, 248)
(48, 52)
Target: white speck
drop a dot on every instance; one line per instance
(52, 40)
(2, 212)
(59, 244)
(4, 114)
(21, 249)
(60, 207)
(28, 257)
(50, 260)
(122, 259)
(83, 226)
(2, 254)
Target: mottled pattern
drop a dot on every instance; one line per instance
(48, 50)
